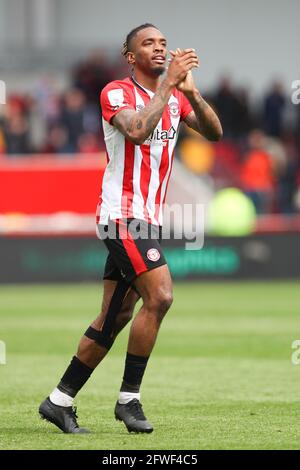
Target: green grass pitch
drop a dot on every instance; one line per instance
(220, 376)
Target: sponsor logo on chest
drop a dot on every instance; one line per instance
(161, 136)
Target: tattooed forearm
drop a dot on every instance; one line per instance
(149, 117)
(137, 126)
(152, 122)
(204, 119)
(129, 126)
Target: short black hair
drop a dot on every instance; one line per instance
(132, 34)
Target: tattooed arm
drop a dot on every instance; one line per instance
(137, 126)
(203, 119)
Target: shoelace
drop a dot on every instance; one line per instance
(73, 412)
(136, 408)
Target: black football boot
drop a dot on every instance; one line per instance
(64, 417)
(133, 417)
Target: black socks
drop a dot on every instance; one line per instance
(78, 373)
(74, 378)
(134, 370)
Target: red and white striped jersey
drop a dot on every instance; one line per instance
(136, 177)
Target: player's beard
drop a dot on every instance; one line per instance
(158, 71)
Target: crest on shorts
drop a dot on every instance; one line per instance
(153, 254)
(174, 109)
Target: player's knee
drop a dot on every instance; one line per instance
(167, 301)
(160, 301)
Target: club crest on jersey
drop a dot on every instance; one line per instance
(153, 254)
(174, 109)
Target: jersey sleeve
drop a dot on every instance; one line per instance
(186, 107)
(114, 98)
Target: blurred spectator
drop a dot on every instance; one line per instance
(72, 117)
(243, 119)
(274, 105)
(277, 152)
(47, 100)
(257, 177)
(15, 126)
(57, 141)
(16, 135)
(287, 184)
(227, 164)
(91, 75)
(226, 104)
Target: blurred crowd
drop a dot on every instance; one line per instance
(260, 151)
(67, 122)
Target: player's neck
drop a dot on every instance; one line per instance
(150, 83)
